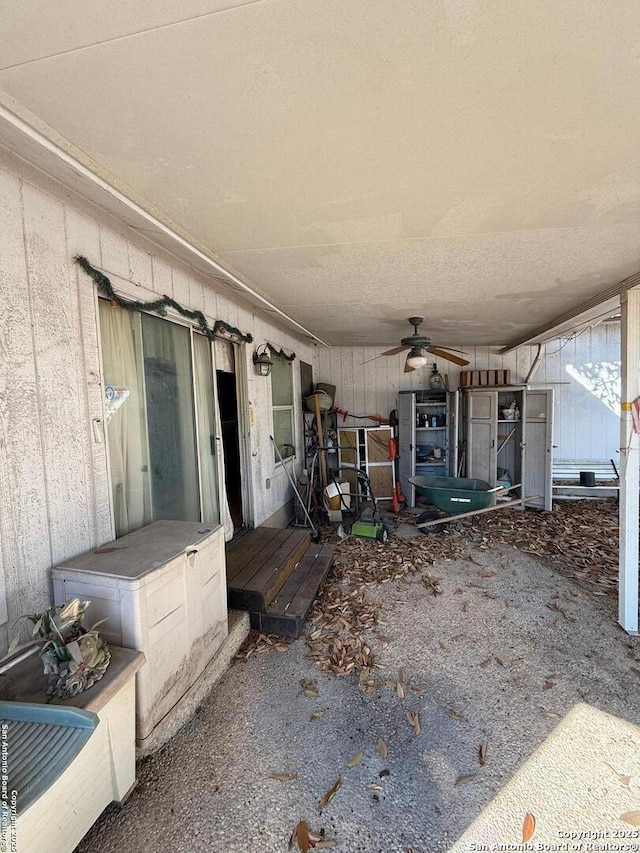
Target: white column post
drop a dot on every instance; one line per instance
(629, 463)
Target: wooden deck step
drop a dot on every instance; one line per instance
(260, 563)
(286, 614)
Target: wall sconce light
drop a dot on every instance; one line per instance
(262, 360)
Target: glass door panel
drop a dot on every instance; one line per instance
(170, 420)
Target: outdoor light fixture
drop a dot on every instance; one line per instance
(416, 358)
(263, 361)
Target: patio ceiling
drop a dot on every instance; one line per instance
(356, 162)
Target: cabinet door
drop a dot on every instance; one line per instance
(481, 451)
(407, 443)
(538, 467)
(481, 436)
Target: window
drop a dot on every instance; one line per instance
(160, 413)
(282, 403)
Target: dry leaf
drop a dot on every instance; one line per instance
(414, 720)
(485, 573)
(466, 777)
(632, 818)
(375, 787)
(635, 670)
(316, 715)
(301, 835)
(552, 714)
(284, 777)
(482, 753)
(458, 637)
(402, 676)
(442, 645)
(455, 715)
(624, 780)
(485, 663)
(383, 748)
(325, 844)
(528, 827)
(326, 799)
(548, 685)
(357, 758)
(400, 690)
(499, 661)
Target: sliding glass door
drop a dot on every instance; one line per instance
(160, 410)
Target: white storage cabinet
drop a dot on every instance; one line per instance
(163, 592)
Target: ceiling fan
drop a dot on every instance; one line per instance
(418, 346)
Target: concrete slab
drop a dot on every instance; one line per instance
(577, 786)
(499, 658)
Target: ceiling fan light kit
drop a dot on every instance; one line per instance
(416, 358)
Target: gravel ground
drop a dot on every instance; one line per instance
(494, 661)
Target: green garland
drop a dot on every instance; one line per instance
(280, 353)
(159, 306)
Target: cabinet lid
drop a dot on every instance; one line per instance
(143, 551)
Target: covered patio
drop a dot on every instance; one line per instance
(490, 646)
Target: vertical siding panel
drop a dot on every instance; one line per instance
(55, 345)
(114, 251)
(83, 237)
(24, 538)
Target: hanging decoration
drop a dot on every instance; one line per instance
(159, 306)
(280, 353)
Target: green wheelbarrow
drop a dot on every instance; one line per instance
(458, 497)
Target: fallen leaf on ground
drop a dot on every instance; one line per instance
(316, 715)
(325, 844)
(466, 777)
(301, 835)
(310, 687)
(624, 780)
(455, 715)
(528, 827)
(402, 675)
(382, 748)
(499, 661)
(485, 573)
(400, 690)
(284, 777)
(632, 818)
(330, 794)
(635, 670)
(375, 787)
(357, 758)
(482, 753)
(414, 720)
(442, 645)
(548, 685)
(458, 637)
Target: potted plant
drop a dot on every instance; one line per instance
(74, 657)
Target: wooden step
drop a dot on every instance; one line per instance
(260, 563)
(286, 614)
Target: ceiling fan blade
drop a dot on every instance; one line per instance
(448, 356)
(395, 350)
(407, 366)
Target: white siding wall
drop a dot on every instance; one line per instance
(54, 491)
(585, 427)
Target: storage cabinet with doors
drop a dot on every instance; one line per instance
(367, 448)
(508, 440)
(427, 436)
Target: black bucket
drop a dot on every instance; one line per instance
(587, 478)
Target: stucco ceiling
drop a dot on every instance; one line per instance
(359, 161)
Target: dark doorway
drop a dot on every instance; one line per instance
(228, 402)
